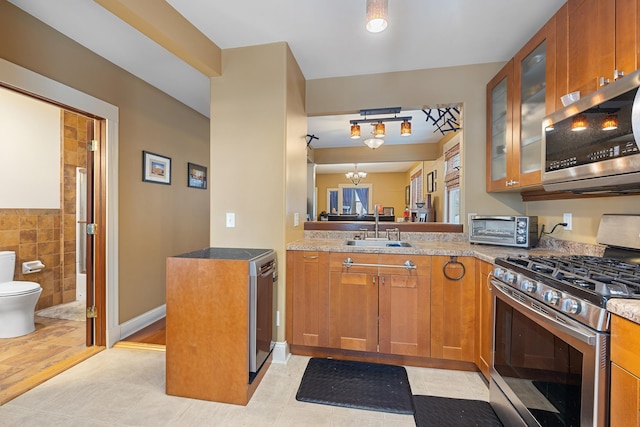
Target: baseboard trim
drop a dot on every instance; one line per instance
(134, 325)
(281, 353)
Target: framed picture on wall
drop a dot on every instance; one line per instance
(156, 168)
(196, 176)
(431, 182)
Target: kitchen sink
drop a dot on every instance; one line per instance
(373, 243)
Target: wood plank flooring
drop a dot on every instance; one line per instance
(152, 337)
(29, 360)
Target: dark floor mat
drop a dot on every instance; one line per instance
(433, 411)
(358, 385)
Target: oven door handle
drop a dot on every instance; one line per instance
(541, 315)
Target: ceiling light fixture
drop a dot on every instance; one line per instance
(379, 129)
(579, 123)
(373, 142)
(405, 128)
(377, 15)
(610, 122)
(355, 177)
(355, 131)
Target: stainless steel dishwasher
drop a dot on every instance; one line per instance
(263, 274)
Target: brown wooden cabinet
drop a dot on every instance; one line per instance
(404, 306)
(625, 373)
(453, 299)
(603, 41)
(309, 312)
(353, 318)
(380, 309)
(484, 313)
(518, 98)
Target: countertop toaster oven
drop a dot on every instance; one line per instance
(517, 231)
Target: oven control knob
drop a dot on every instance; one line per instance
(552, 297)
(571, 306)
(509, 277)
(528, 286)
(498, 272)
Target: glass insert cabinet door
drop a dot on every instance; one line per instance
(500, 127)
(532, 108)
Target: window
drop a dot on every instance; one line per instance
(417, 187)
(332, 200)
(452, 184)
(354, 199)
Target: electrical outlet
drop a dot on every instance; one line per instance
(566, 218)
(231, 220)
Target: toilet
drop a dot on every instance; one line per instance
(17, 300)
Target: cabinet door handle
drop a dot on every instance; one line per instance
(617, 74)
(373, 280)
(382, 280)
(489, 284)
(310, 256)
(453, 261)
(604, 81)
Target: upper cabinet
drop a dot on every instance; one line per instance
(602, 42)
(518, 98)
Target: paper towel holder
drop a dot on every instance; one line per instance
(32, 267)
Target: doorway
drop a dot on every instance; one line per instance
(92, 336)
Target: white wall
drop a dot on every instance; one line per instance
(29, 152)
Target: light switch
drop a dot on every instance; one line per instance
(231, 220)
(296, 219)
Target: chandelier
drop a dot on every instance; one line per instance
(355, 177)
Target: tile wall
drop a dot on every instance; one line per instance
(49, 234)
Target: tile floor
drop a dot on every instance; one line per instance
(53, 341)
(123, 387)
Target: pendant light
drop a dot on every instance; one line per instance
(355, 131)
(378, 130)
(377, 15)
(405, 128)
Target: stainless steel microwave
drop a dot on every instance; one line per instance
(591, 146)
(517, 231)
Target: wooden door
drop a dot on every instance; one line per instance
(404, 323)
(484, 317)
(591, 44)
(533, 74)
(499, 128)
(453, 308)
(625, 398)
(353, 321)
(310, 293)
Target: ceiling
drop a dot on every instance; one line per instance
(327, 38)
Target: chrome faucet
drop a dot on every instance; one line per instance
(377, 217)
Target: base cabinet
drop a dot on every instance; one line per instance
(376, 305)
(484, 313)
(453, 299)
(625, 373)
(310, 293)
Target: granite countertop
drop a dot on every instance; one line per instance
(456, 244)
(453, 248)
(627, 308)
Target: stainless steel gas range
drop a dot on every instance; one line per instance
(550, 364)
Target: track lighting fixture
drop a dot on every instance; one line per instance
(379, 129)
